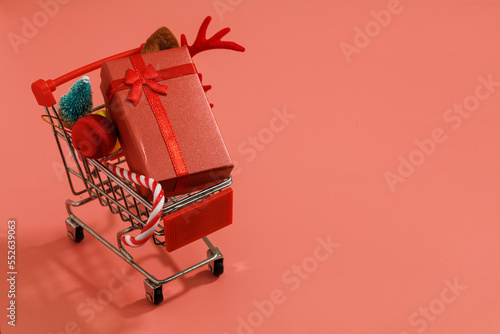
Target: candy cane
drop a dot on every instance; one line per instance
(158, 201)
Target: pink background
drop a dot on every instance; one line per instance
(319, 175)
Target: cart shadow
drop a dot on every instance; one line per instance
(189, 281)
(45, 272)
(39, 259)
(142, 306)
(76, 261)
(62, 253)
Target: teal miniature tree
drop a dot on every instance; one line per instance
(77, 102)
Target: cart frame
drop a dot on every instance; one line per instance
(119, 195)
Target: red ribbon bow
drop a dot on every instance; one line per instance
(137, 80)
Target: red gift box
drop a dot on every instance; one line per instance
(164, 121)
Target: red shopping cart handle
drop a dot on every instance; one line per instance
(42, 89)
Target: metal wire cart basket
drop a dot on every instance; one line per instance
(92, 179)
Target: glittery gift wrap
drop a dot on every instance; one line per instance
(182, 131)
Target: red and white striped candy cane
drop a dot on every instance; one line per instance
(158, 202)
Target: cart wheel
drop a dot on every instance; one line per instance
(218, 267)
(78, 236)
(75, 232)
(154, 292)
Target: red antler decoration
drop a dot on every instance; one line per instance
(202, 44)
(206, 88)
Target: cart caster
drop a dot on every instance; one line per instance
(216, 267)
(154, 292)
(75, 232)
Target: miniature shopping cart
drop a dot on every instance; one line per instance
(94, 180)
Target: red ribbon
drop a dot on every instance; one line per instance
(137, 80)
(144, 78)
(163, 74)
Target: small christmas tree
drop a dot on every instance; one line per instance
(77, 102)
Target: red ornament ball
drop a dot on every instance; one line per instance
(94, 136)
